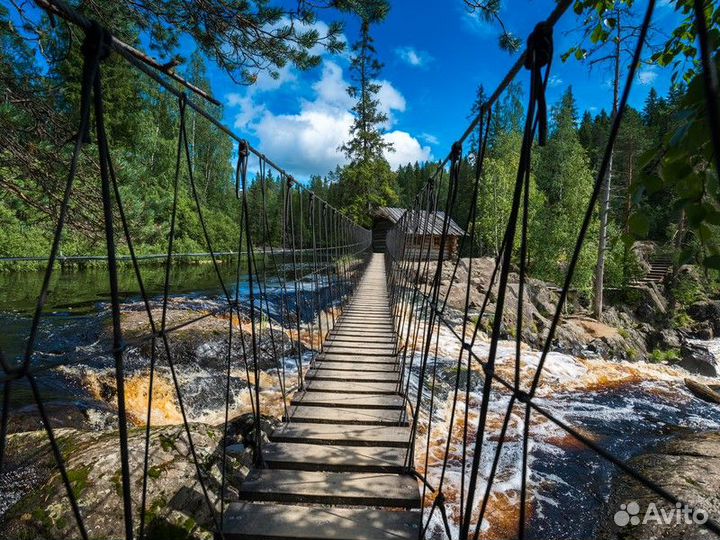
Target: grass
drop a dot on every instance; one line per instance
(659, 356)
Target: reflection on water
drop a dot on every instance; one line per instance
(625, 407)
(72, 359)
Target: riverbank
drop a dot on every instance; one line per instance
(630, 406)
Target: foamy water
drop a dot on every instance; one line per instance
(625, 407)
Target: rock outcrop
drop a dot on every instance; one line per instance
(689, 468)
(37, 506)
(619, 335)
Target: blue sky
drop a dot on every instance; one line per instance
(435, 56)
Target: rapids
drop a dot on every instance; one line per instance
(626, 407)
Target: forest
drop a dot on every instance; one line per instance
(664, 188)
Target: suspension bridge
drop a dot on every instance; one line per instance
(351, 458)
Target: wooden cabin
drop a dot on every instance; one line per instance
(422, 227)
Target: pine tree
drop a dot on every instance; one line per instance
(564, 178)
(366, 142)
(612, 33)
(367, 181)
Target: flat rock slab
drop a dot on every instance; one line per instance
(342, 434)
(244, 521)
(342, 415)
(319, 457)
(361, 401)
(317, 487)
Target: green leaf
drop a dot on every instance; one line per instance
(712, 214)
(687, 255)
(628, 240)
(695, 214)
(639, 224)
(712, 262)
(691, 187)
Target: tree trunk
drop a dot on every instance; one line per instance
(597, 305)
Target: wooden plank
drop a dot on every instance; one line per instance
(358, 357)
(346, 333)
(379, 339)
(320, 457)
(345, 443)
(244, 521)
(341, 434)
(317, 487)
(356, 351)
(354, 366)
(365, 318)
(361, 401)
(352, 376)
(358, 387)
(342, 415)
(364, 329)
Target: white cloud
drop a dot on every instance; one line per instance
(390, 100)
(647, 76)
(307, 142)
(429, 138)
(407, 149)
(554, 81)
(249, 111)
(331, 89)
(413, 57)
(266, 83)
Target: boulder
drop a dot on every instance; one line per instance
(706, 312)
(689, 468)
(697, 359)
(643, 252)
(175, 505)
(665, 339)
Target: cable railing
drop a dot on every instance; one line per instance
(417, 262)
(295, 266)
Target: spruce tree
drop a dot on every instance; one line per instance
(368, 181)
(366, 142)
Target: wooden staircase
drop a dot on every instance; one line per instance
(660, 267)
(335, 468)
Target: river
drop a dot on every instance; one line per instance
(626, 407)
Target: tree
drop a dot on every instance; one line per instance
(680, 170)
(489, 11)
(610, 33)
(210, 147)
(564, 178)
(368, 180)
(243, 37)
(366, 142)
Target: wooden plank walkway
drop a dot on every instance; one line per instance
(335, 469)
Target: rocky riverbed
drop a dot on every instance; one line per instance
(605, 377)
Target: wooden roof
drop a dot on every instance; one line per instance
(423, 221)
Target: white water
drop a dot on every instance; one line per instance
(625, 407)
